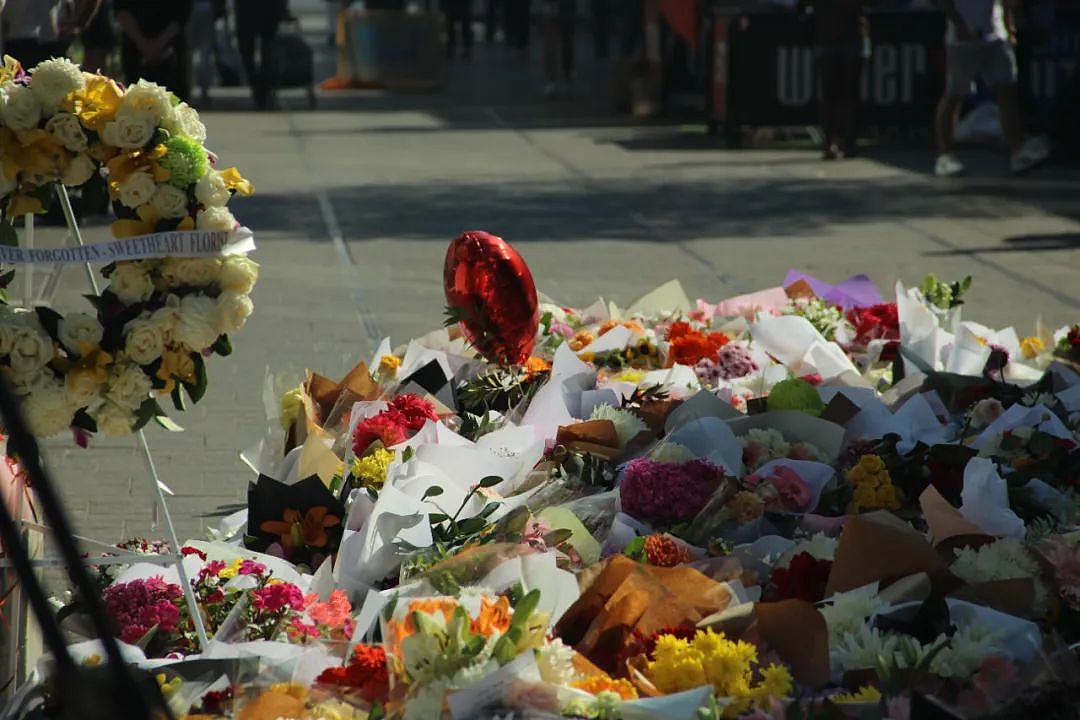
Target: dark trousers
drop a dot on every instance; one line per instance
(458, 22)
(29, 51)
(257, 25)
(839, 75)
(518, 19)
(601, 28)
(496, 12)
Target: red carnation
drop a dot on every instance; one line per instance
(388, 426)
(415, 409)
(877, 322)
(803, 579)
(366, 671)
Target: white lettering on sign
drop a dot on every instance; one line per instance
(794, 76)
(889, 79)
(183, 243)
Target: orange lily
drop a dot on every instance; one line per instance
(494, 617)
(296, 530)
(96, 104)
(145, 224)
(175, 364)
(124, 164)
(235, 181)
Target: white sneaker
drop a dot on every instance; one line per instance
(1033, 152)
(948, 166)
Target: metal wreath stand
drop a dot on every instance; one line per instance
(17, 601)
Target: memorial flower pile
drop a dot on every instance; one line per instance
(158, 317)
(804, 502)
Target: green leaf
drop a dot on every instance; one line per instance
(515, 521)
(436, 518)
(525, 607)
(177, 396)
(222, 346)
(489, 509)
(556, 538)
(407, 454)
(197, 390)
(146, 412)
(471, 526)
(8, 235)
(635, 549)
(490, 481)
(165, 422)
(143, 642)
(433, 491)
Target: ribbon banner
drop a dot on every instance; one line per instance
(181, 243)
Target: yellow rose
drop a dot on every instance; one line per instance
(1031, 347)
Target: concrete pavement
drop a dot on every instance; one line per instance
(357, 201)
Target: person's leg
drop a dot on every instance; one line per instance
(247, 15)
(270, 22)
(549, 35)
(827, 98)
(961, 67)
(449, 10)
(490, 16)
(851, 79)
(466, 27)
(601, 28)
(999, 70)
(202, 40)
(567, 26)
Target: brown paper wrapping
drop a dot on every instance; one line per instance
(595, 437)
(796, 631)
(880, 547)
(948, 528)
(1013, 597)
(799, 289)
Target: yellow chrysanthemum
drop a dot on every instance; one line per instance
(866, 693)
(388, 365)
(370, 470)
(290, 407)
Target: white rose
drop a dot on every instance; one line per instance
(66, 128)
(131, 283)
(147, 98)
(143, 340)
(26, 383)
(170, 201)
(130, 131)
(82, 387)
(166, 317)
(79, 170)
(21, 110)
(47, 409)
(212, 191)
(184, 120)
(113, 420)
(79, 327)
(137, 189)
(233, 310)
(190, 272)
(215, 218)
(128, 386)
(53, 80)
(31, 350)
(238, 273)
(196, 325)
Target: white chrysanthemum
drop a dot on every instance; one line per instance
(627, 424)
(196, 325)
(819, 546)
(772, 439)
(861, 648)
(113, 420)
(184, 120)
(238, 273)
(1003, 559)
(128, 386)
(672, 453)
(52, 80)
(21, 110)
(169, 201)
(847, 612)
(147, 97)
(965, 651)
(555, 661)
(215, 218)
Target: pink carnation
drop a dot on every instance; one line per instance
(787, 491)
(667, 493)
(137, 606)
(250, 567)
(279, 596)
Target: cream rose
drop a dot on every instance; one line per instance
(238, 273)
(31, 350)
(48, 410)
(212, 190)
(52, 80)
(82, 386)
(130, 131)
(137, 189)
(170, 201)
(128, 386)
(66, 128)
(143, 340)
(184, 120)
(79, 170)
(196, 326)
(26, 383)
(79, 328)
(147, 98)
(166, 317)
(113, 420)
(233, 310)
(215, 218)
(21, 110)
(191, 272)
(131, 283)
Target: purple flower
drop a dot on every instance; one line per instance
(667, 493)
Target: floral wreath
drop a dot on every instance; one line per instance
(158, 318)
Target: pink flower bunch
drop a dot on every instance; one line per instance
(667, 492)
(782, 490)
(1065, 559)
(250, 567)
(137, 606)
(332, 618)
(277, 597)
(405, 415)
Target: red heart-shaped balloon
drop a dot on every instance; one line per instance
(490, 291)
